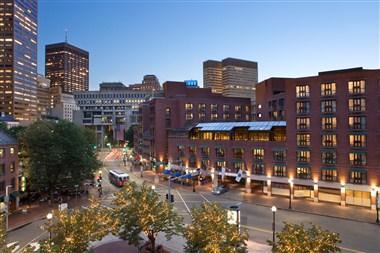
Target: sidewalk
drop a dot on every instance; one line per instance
(354, 213)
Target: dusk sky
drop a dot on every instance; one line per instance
(171, 39)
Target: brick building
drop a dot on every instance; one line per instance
(333, 135)
(179, 108)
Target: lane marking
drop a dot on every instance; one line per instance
(30, 242)
(187, 208)
(351, 250)
(257, 229)
(200, 194)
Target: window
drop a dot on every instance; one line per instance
(238, 166)
(303, 107)
(181, 151)
(205, 164)
(221, 136)
(303, 173)
(192, 150)
(12, 167)
(303, 156)
(220, 164)
(226, 108)
(258, 169)
(328, 123)
(214, 116)
(329, 174)
(356, 87)
(303, 123)
(238, 153)
(237, 116)
(279, 171)
(205, 151)
(226, 116)
(358, 176)
(328, 106)
(356, 104)
(219, 153)
(189, 116)
(2, 153)
(188, 106)
(357, 122)
(238, 108)
(202, 116)
(201, 107)
(329, 140)
(214, 108)
(12, 150)
(279, 156)
(167, 117)
(303, 139)
(358, 140)
(258, 154)
(328, 157)
(328, 89)
(358, 158)
(302, 91)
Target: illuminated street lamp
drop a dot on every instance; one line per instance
(153, 187)
(49, 217)
(274, 210)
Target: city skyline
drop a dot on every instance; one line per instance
(281, 37)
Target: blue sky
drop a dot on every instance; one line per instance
(128, 39)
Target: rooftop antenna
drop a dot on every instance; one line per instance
(66, 34)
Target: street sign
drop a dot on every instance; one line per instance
(62, 206)
(238, 176)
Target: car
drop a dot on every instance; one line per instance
(219, 189)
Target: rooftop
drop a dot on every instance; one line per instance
(251, 125)
(5, 139)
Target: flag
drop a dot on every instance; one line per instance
(239, 175)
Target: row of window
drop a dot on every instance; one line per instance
(330, 140)
(330, 123)
(12, 167)
(215, 107)
(189, 116)
(329, 106)
(3, 152)
(329, 157)
(329, 89)
(111, 95)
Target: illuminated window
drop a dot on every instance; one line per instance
(358, 158)
(12, 167)
(358, 140)
(328, 157)
(328, 89)
(329, 140)
(226, 108)
(328, 123)
(303, 140)
(357, 122)
(303, 123)
(238, 153)
(303, 172)
(329, 174)
(219, 152)
(202, 107)
(279, 156)
(303, 156)
(12, 150)
(358, 176)
(258, 169)
(302, 91)
(189, 116)
(226, 116)
(188, 106)
(356, 87)
(2, 153)
(205, 151)
(214, 108)
(214, 116)
(202, 116)
(238, 108)
(357, 104)
(279, 171)
(258, 154)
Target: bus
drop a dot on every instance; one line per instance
(118, 178)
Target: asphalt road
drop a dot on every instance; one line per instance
(356, 236)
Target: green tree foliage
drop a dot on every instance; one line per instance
(59, 154)
(73, 230)
(140, 210)
(3, 237)
(211, 233)
(129, 136)
(296, 238)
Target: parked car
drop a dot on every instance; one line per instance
(219, 189)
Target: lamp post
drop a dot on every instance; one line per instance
(274, 209)
(49, 217)
(193, 179)
(7, 205)
(290, 192)
(377, 206)
(153, 187)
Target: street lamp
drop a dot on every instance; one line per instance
(274, 210)
(290, 192)
(7, 205)
(153, 187)
(377, 206)
(49, 217)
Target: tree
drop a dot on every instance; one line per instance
(73, 230)
(140, 210)
(296, 238)
(210, 232)
(129, 136)
(59, 154)
(3, 236)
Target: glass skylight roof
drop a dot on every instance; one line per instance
(251, 125)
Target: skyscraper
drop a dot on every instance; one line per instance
(67, 66)
(231, 77)
(18, 59)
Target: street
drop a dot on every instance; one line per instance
(356, 236)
